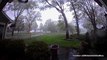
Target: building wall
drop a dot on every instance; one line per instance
(2, 30)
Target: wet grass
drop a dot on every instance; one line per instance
(55, 39)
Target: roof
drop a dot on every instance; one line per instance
(4, 18)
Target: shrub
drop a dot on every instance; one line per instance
(81, 36)
(101, 47)
(12, 48)
(3, 47)
(38, 50)
(16, 47)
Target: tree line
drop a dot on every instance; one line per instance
(85, 12)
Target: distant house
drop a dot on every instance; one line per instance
(4, 21)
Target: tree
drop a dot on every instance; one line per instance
(20, 24)
(59, 6)
(18, 9)
(50, 26)
(76, 16)
(72, 28)
(41, 27)
(34, 26)
(31, 18)
(17, 12)
(87, 25)
(91, 13)
(61, 25)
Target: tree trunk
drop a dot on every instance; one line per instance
(66, 25)
(93, 22)
(14, 26)
(94, 26)
(76, 18)
(4, 31)
(13, 31)
(29, 30)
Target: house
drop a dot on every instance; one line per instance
(4, 21)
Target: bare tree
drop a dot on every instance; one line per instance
(91, 13)
(31, 17)
(18, 9)
(17, 12)
(90, 10)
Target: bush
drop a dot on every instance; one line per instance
(101, 47)
(3, 44)
(38, 50)
(81, 36)
(12, 48)
(74, 36)
(15, 49)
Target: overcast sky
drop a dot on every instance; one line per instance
(54, 14)
(51, 13)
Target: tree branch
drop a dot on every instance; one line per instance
(53, 6)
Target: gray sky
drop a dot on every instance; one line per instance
(47, 14)
(53, 14)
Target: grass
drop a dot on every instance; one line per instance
(55, 39)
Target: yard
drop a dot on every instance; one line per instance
(58, 39)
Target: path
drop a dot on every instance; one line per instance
(66, 54)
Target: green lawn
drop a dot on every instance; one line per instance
(55, 39)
